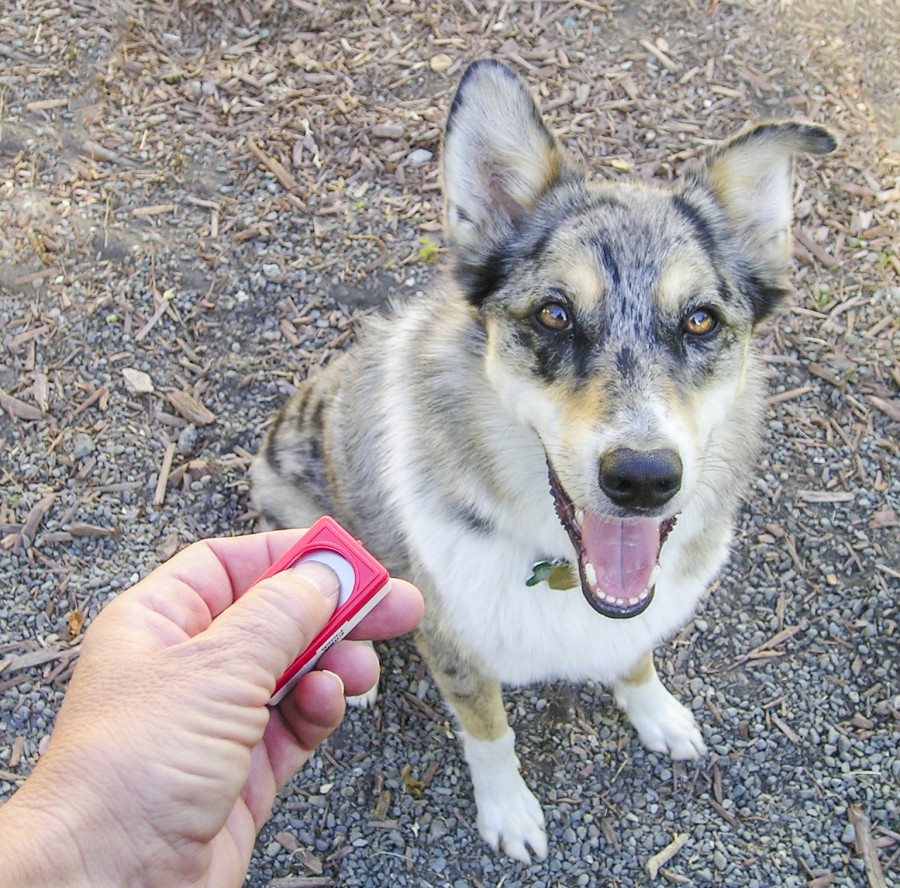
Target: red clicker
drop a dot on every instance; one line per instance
(364, 582)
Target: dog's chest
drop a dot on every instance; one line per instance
(525, 632)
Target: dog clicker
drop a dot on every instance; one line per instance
(363, 583)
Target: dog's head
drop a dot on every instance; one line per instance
(618, 318)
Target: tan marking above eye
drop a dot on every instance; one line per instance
(700, 322)
(684, 278)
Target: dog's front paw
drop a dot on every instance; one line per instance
(364, 701)
(509, 816)
(662, 723)
(512, 821)
(367, 700)
(670, 729)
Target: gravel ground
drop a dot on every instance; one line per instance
(212, 193)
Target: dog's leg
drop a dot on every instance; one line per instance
(662, 723)
(509, 816)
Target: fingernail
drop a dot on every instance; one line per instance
(336, 677)
(322, 578)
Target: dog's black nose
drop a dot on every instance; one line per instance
(640, 479)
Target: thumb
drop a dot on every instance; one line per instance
(265, 630)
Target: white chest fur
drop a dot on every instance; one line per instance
(527, 634)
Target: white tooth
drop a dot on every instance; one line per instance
(643, 594)
(590, 574)
(579, 517)
(654, 576)
(634, 600)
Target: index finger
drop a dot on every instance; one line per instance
(220, 570)
(399, 612)
(204, 579)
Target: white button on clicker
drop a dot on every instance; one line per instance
(344, 570)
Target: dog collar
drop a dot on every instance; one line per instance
(557, 573)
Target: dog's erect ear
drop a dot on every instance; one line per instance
(751, 177)
(499, 159)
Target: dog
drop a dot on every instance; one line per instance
(552, 445)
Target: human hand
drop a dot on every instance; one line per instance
(165, 759)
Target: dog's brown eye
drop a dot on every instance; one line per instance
(554, 317)
(700, 323)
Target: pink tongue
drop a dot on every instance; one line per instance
(623, 552)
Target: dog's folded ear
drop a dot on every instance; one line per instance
(751, 178)
(498, 159)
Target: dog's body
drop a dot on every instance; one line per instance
(583, 391)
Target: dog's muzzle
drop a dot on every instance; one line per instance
(618, 558)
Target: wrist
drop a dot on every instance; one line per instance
(38, 845)
(63, 829)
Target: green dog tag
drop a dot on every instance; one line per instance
(557, 574)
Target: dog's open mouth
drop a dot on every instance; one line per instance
(618, 558)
